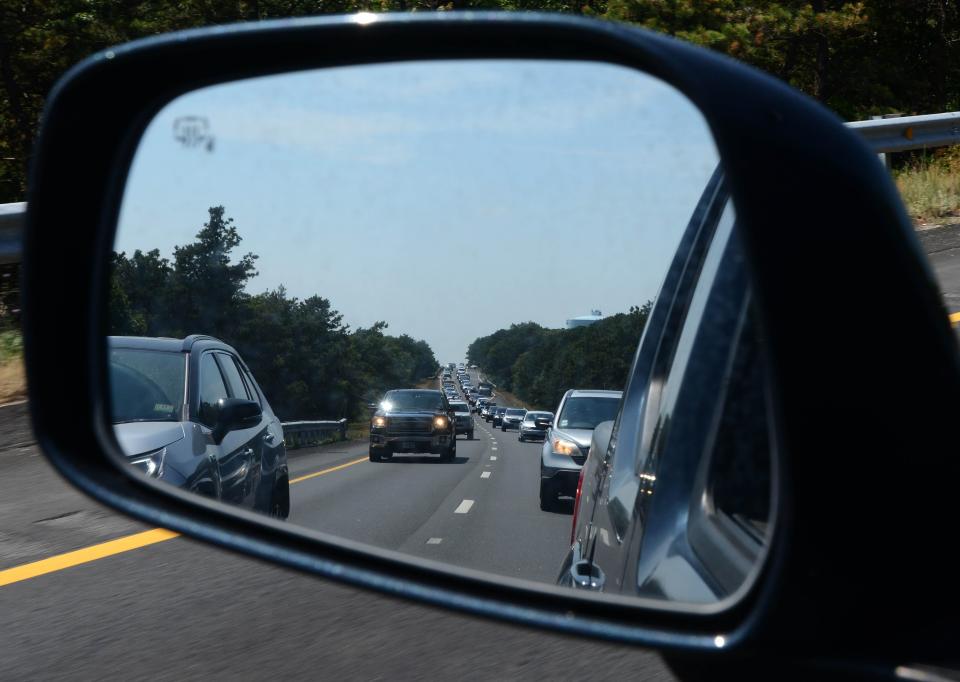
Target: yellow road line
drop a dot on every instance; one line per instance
(85, 555)
(330, 470)
(955, 319)
(118, 546)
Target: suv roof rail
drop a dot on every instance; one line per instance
(193, 338)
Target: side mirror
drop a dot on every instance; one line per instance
(235, 414)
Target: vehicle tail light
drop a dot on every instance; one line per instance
(576, 506)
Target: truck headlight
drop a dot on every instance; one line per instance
(440, 423)
(379, 422)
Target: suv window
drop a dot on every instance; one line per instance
(238, 388)
(212, 390)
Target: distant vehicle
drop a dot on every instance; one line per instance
(478, 406)
(472, 396)
(413, 421)
(488, 408)
(189, 412)
(484, 391)
(497, 416)
(567, 441)
(463, 420)
(530, 429)
(511, 418)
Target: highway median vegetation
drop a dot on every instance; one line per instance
(308, 362)
(538, 365)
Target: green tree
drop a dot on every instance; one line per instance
(206, 290)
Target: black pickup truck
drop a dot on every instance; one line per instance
(413, 421)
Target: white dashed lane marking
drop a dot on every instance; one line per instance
(493, 458)
(485, 474)
(434, 541)
(464, 507)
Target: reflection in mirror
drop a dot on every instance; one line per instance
(392, 303)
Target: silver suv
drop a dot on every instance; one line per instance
(567, 441)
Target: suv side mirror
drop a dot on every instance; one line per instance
(235, 414)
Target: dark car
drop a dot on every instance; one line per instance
(462, 419)
(534, 425)
(189, 412)
(511, 418)
(496, 416)
(567, 441)
(413, 421)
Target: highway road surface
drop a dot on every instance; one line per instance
(152, 606)
(177, 609)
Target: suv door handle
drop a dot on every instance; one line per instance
(587, 576)
(268, 437)
(248, 452)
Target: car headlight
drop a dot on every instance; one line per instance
(440, 423)
(562, 446)
(151, 464)
(379, 422)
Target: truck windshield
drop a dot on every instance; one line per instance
(412, 400)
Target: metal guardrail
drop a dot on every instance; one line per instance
(305, 434)
(905, 133)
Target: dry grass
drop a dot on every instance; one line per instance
(13, 381)
(930, 188)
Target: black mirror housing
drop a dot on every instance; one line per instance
(235, 414)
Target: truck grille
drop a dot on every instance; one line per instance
(410, 425)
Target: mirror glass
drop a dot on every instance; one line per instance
(309, 267)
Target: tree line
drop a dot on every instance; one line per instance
(538, 364)
(308, 362)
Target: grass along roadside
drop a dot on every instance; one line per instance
(13, 379)
(930, 187)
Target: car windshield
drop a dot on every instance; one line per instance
(146, 385)
(531, 416)
(460, 407)
(587, 411)
(412, 400)
(516, 412)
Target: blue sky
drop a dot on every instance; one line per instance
(448, 198)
